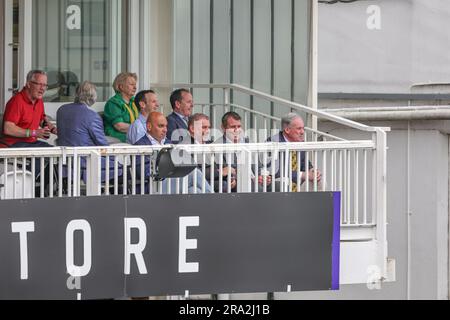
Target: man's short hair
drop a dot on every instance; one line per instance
(32, 73)
(196, 117)
(287, 120)
(228, 115)
(121, 79)
(86, 93)
(177, 95)
(141, 95)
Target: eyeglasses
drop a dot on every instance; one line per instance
(42, 85)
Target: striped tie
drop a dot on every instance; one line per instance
(294, 165)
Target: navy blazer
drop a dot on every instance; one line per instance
(145, 141)
(79, 126)
(280, 138)
(174, 122)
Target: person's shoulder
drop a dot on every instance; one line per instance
(144, 141)
(221, 140)
(172, 116)
(275, 138)
(15, 99)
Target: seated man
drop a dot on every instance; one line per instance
(80, 126)
(24, 121)
(293, 130)
(198, 128)
(156, 135)
(147, 102)
(232, 128)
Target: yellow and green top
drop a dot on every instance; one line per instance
(117, 111)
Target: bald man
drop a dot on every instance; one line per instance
(156, 135)
(156, 131)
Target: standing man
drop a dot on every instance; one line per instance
(147, 102)
(24, 121)
(182, 104)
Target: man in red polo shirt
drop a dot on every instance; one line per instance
(24, 121)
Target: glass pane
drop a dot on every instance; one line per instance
(76, 41)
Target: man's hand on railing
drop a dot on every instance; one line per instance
(225, 171)
(264, 177)
(312, 175)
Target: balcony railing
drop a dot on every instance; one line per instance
(357, 169)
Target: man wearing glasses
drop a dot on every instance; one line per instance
(24, 121)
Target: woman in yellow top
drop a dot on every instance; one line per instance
(120, 110)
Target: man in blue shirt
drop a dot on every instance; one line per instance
(147, 102)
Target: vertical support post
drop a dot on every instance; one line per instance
(244, 171)
(313, 64)
(134, 32)
(25, 39)
(226, 98)
(380, 177)
(93, 174)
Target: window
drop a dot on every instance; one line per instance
(79, 40)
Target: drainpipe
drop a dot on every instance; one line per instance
(393, 113)
(408, 212)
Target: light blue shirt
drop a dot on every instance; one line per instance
(137, 130)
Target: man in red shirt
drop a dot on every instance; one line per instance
(24, 121)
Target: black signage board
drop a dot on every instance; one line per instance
(113, 247)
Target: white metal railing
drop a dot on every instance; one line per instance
(345, 166)
(355, 168)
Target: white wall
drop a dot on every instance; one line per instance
(411, 46)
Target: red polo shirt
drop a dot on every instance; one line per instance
(21, 111)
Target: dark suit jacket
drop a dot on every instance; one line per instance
(280, 138)
(79, 126)
(233, 164)
(145, 141)
(175, 123)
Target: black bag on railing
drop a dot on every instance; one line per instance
(173, 163)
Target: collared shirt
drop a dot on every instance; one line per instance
(241, 140)
(184, 118)
(24, 114)
(156, 142)
(137, 130)
(285, 138)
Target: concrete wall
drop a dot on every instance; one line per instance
(410, 46)
(424, 167)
